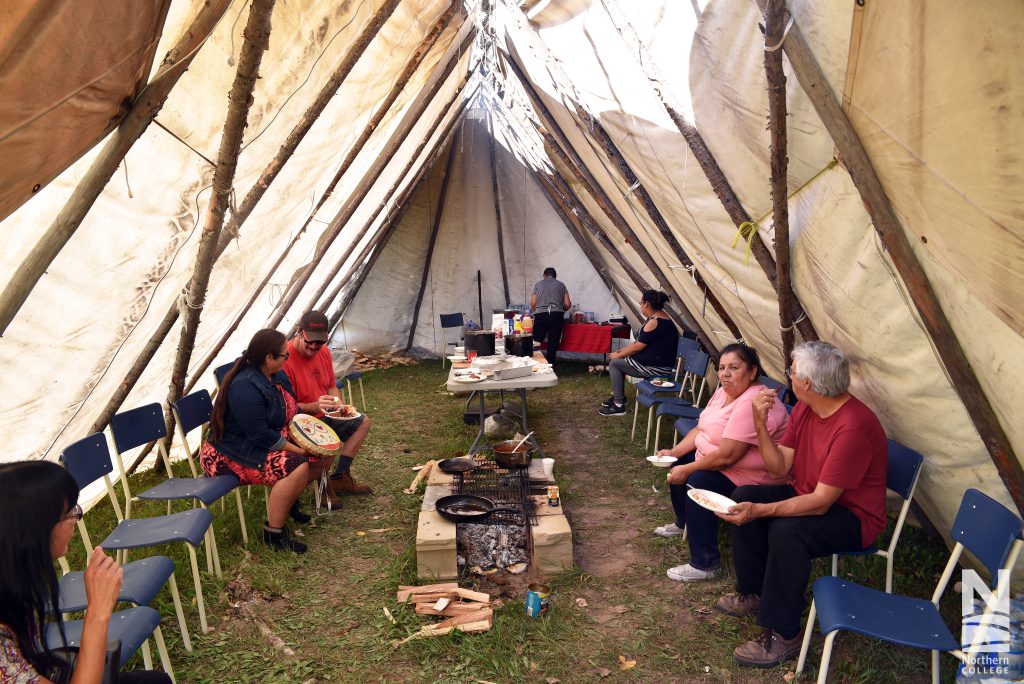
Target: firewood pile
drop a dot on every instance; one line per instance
(367, 363)
(463, 609)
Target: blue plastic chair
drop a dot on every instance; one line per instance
(220, 371)
(138, 426)
(131, 627)
(695, 368)
(448, 322)
(901, 476)
(347, 382)
(191, 412)
(88, 460)
(982, 526)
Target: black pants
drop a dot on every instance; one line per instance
(773, 555)
(701, 524)
(548, 326)
(144, 677)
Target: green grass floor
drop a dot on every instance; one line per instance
(280, 617)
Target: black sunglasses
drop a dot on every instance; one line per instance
(315, 343)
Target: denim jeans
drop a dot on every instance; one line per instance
(701, 524)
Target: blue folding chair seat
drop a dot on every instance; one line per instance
(131, 627)
(684, 425)
(695, 365)
(143, 580)
(982, 525)
(186, 526)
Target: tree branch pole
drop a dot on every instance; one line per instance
(892, 234)
(775, 20)
(131, 128)
(556, 141)
(410, 119)
(403, 203)
(312, 113)
(434, 228)
(240, 99)
(701, 152)
(236, 221)
(497, 205)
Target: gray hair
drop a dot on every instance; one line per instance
(825, 365)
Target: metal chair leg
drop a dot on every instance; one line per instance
(241, 517)
(199, 588)
(826, 656)
(650, 418)
(636, 412)
(807, 641)
(657, 434)
(147, 656)
(362, 396)
(180, 612)
(161, 648)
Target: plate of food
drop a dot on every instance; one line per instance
(343, 412)
(457, 358)
(661, 461)
(663, 383)
(713, 501)
(469, 377)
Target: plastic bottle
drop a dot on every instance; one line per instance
(528, 324)
(518, 324)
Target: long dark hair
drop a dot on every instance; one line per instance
(265, 341)
(747, 354)
(655, 298)
(36, 495)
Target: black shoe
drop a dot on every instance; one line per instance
(282, 541)
(297, 515)
(610, 401)
(613, 410)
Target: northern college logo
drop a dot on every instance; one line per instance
(985, 632)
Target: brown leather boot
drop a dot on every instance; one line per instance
(330, 500)
(346, 484)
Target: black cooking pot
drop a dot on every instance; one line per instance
(463, 508)
(480, 341)
(520, 344)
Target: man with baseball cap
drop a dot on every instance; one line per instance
(311, 369)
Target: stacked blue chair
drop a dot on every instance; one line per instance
(449, 322)
(88, 460)
(693, 383)
(983, 526)
(131, 627)
(646, 391)
(347, 382)
(901, 475)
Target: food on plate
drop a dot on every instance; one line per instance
(711, 500)
(661, 461)
(662, 382)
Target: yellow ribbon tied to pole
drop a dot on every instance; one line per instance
(746, 230)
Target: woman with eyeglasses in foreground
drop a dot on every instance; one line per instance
(38, 511)
(249, 433)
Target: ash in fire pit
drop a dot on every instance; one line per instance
(484, 548)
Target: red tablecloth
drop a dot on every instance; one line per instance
(589, 338)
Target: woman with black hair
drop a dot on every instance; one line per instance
(652, 354)
(38, 511)
(249, 434)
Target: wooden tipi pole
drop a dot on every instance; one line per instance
(240, 99)
(774, 24)
(131, 128)
(497, 205)
(855, 158)
(701, 152)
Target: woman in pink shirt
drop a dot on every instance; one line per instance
(720, 454)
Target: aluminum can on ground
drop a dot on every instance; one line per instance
(537, 600)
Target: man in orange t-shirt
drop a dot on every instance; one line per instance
(311, 369)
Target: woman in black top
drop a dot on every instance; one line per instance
(652, 354)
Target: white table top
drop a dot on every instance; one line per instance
(532, 381)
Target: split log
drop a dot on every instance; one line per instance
(423, 473)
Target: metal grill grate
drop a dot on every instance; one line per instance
(506, 488)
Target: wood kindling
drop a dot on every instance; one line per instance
(433, 239)
(404, 203)
(893, 236)
(312, 113)
(556, 140)
(371, 125)
(144, 109)
(774, 26)
(412, 116)
(497, 205)
(716, 177)
(256, 39)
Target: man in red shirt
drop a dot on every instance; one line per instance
(836, 450)
(311, 369)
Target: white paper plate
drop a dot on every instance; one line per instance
(661, 461)
(467, 378)
(457, 358)
(355, 414)
(663, 384)
(713, 501)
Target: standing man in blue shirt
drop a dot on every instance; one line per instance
(549, 301)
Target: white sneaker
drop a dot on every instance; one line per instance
(688, 573)
(670, 530)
